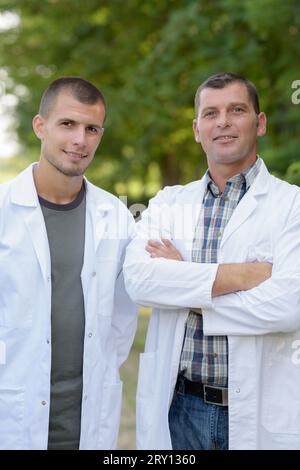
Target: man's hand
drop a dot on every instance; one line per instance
(163, 250)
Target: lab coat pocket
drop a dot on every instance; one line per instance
(282, 416)
(11, 419)
(145, 393)
(15, 311)
(110, 415)
(16, 294)
(280, 398)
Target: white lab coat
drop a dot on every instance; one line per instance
(262, 324)
(25, 314)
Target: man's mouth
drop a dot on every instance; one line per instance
(75, 155)
(225, 138)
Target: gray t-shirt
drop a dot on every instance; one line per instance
(65, 226)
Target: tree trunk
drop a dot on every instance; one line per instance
(170, 170)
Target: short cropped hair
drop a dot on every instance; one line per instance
(80, 89)
(221, 80)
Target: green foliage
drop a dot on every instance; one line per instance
(293, 173)
(148, 59)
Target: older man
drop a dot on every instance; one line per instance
(219, 370)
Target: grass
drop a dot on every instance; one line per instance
(129, 372)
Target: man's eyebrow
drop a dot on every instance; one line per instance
(94, 125)
(76, 122)
(66, 119)
(242, 104)
(208, 107)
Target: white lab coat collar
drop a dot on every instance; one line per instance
(191, 196)
(248, 203)
(23, 190)
(99, 205)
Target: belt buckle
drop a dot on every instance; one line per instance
(224, 392)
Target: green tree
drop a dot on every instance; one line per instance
(148, 58)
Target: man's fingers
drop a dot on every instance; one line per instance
(163, 250)
(154, 252)
(167, 242)
(158, 244)
(154, 243)
(152, 249)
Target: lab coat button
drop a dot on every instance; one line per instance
(238, 390)
(90, 335)
(94, 273)
(44, 403)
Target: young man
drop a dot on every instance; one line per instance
(221, 365)
(66, 322)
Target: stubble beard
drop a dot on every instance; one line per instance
(67, 171)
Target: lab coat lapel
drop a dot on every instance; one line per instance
(186, 214)
(98, 209)
(95, 231)
(36, 227)
(24, 195)
(248, 203)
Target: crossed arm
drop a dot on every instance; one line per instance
(254, 302)
(232, 277)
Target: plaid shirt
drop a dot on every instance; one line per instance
(204, 358)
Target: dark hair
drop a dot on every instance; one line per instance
(221, 80)
(81, 89)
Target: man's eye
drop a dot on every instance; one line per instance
(66, 124)
(93, 130)
(209, 113)
(238, 109)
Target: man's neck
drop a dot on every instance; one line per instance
(222, 173)
(54, 186)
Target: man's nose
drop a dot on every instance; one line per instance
(79, 136)
(223, 120)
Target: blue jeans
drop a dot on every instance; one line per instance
(196, 425)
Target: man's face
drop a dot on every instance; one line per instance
(227, 126)
(70, 134)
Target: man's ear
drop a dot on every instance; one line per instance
(38, 126)
(196, 133)
(261, 124)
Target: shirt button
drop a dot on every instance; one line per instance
(220, 233)
(90, 335)
(215, 355)
(226, 198)
(44, 403)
